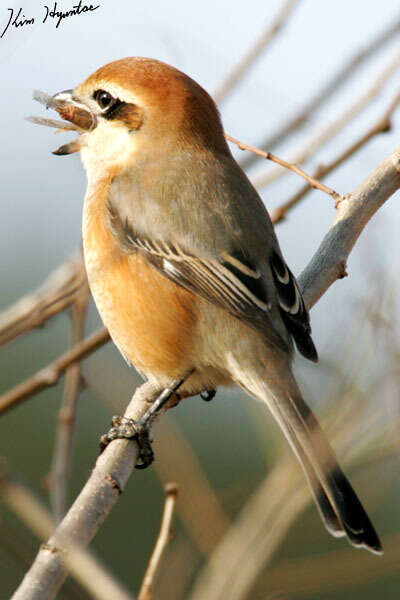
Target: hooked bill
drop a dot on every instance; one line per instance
(80, 118)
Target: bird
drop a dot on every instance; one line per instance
(184, 265)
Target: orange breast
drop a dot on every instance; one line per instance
(150, 318)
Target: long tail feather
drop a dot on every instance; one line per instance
(338, 504)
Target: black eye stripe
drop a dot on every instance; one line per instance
(114, 109)
(109, 105)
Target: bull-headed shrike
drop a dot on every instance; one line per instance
(184, 265)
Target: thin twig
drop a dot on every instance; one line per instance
(261, 44)
(292, 167)
(57, 293)
(146, 590)
(199, 509)
(61, 464)
(116, 463)
(83, 566)
(326, 92)
(50, 375)
(262, 178)
(381, 126)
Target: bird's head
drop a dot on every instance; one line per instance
(134, 108)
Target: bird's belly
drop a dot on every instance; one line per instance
(150, 318)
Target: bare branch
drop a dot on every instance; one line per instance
(50, 375)
(263, 178)
(83, 566)
(86, 515)
(115, 465)
(66, 417)
(58, 292)
(146, 591)
(381, 126)
(334, 84)
(354, 211)
(292, 167)
(261, 44)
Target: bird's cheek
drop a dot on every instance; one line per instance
(107, 150)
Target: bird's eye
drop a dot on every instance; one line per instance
(103, 99)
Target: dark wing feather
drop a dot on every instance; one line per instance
(293, 310)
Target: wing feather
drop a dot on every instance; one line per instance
(228, 281)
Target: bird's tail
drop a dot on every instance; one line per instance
(337, 502)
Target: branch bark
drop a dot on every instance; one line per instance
(116, 463)
(58, 292)
(354, 211)
(51, 374)
(84, 567)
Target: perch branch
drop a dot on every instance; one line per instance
(354, 211)
(261, 44)
(146, 590)
(334, 84)
(283, 163)
(84, 567)
(50, 375)
(116, 463)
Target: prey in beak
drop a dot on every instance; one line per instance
(80, 118)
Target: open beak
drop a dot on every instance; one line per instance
(74, 111)
(70, 109)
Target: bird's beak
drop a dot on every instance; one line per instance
(74, 111)
(70, 109)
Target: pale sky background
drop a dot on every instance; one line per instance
(42, 194)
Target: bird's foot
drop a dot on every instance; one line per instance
(208, 395)
(129, 429)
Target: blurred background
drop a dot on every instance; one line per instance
(245, 525)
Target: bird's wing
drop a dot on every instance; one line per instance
(228, 281)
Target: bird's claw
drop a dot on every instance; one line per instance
(208, 395)
(124, 428)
